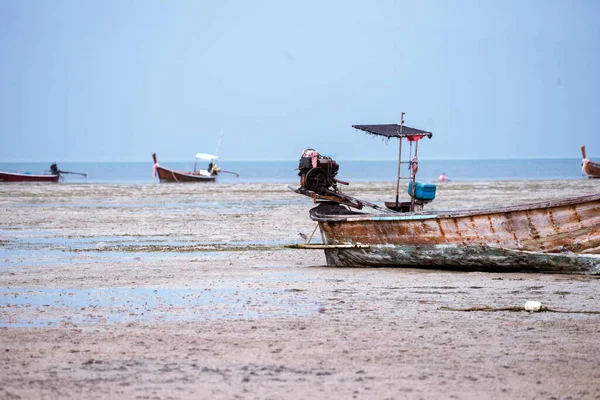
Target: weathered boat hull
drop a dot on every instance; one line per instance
(16, 177)
(557, 236)
(471, 258)
(167, 175)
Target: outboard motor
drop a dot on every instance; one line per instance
(317, 172)
(54, 169)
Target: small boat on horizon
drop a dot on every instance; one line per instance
(53, 175)
(197, 175)
(554, 236)
(588, 167)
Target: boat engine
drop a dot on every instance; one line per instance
(54, 169)
(317, 172)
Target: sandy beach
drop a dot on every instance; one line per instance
(187, 291)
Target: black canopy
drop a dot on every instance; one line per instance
(392, 130)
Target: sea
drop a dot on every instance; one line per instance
(351, 171)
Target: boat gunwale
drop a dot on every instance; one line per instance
(46, 176)
(315, 214)
(593, 163)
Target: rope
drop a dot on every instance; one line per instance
(312, 234)
(516, 309)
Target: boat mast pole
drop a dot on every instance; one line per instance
(399, 159)
(219, 143)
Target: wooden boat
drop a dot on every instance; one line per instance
(18, 177)
(552, 236)
(169, 175)
(558, 236)
(589, 168)
(51, 176)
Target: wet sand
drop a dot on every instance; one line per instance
(187, 291)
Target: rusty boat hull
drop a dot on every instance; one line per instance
(168, 175)
(559, 236)
(17, 177)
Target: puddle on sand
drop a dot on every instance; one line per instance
(73, 242)
(206, 208)
(23, 258)
(32, 307)
(118, 243)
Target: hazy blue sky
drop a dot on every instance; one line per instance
(117, 80)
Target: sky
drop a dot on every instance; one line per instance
(116, 80)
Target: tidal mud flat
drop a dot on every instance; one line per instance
(187, 291)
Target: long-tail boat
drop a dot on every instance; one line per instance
(197, 175)
(53, 175)
(588, 167)
(555, 236)
(19, 177)
(169, 175)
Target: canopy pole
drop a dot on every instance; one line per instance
(399, 159)
(414, 177)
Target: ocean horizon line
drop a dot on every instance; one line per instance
(294, 160)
